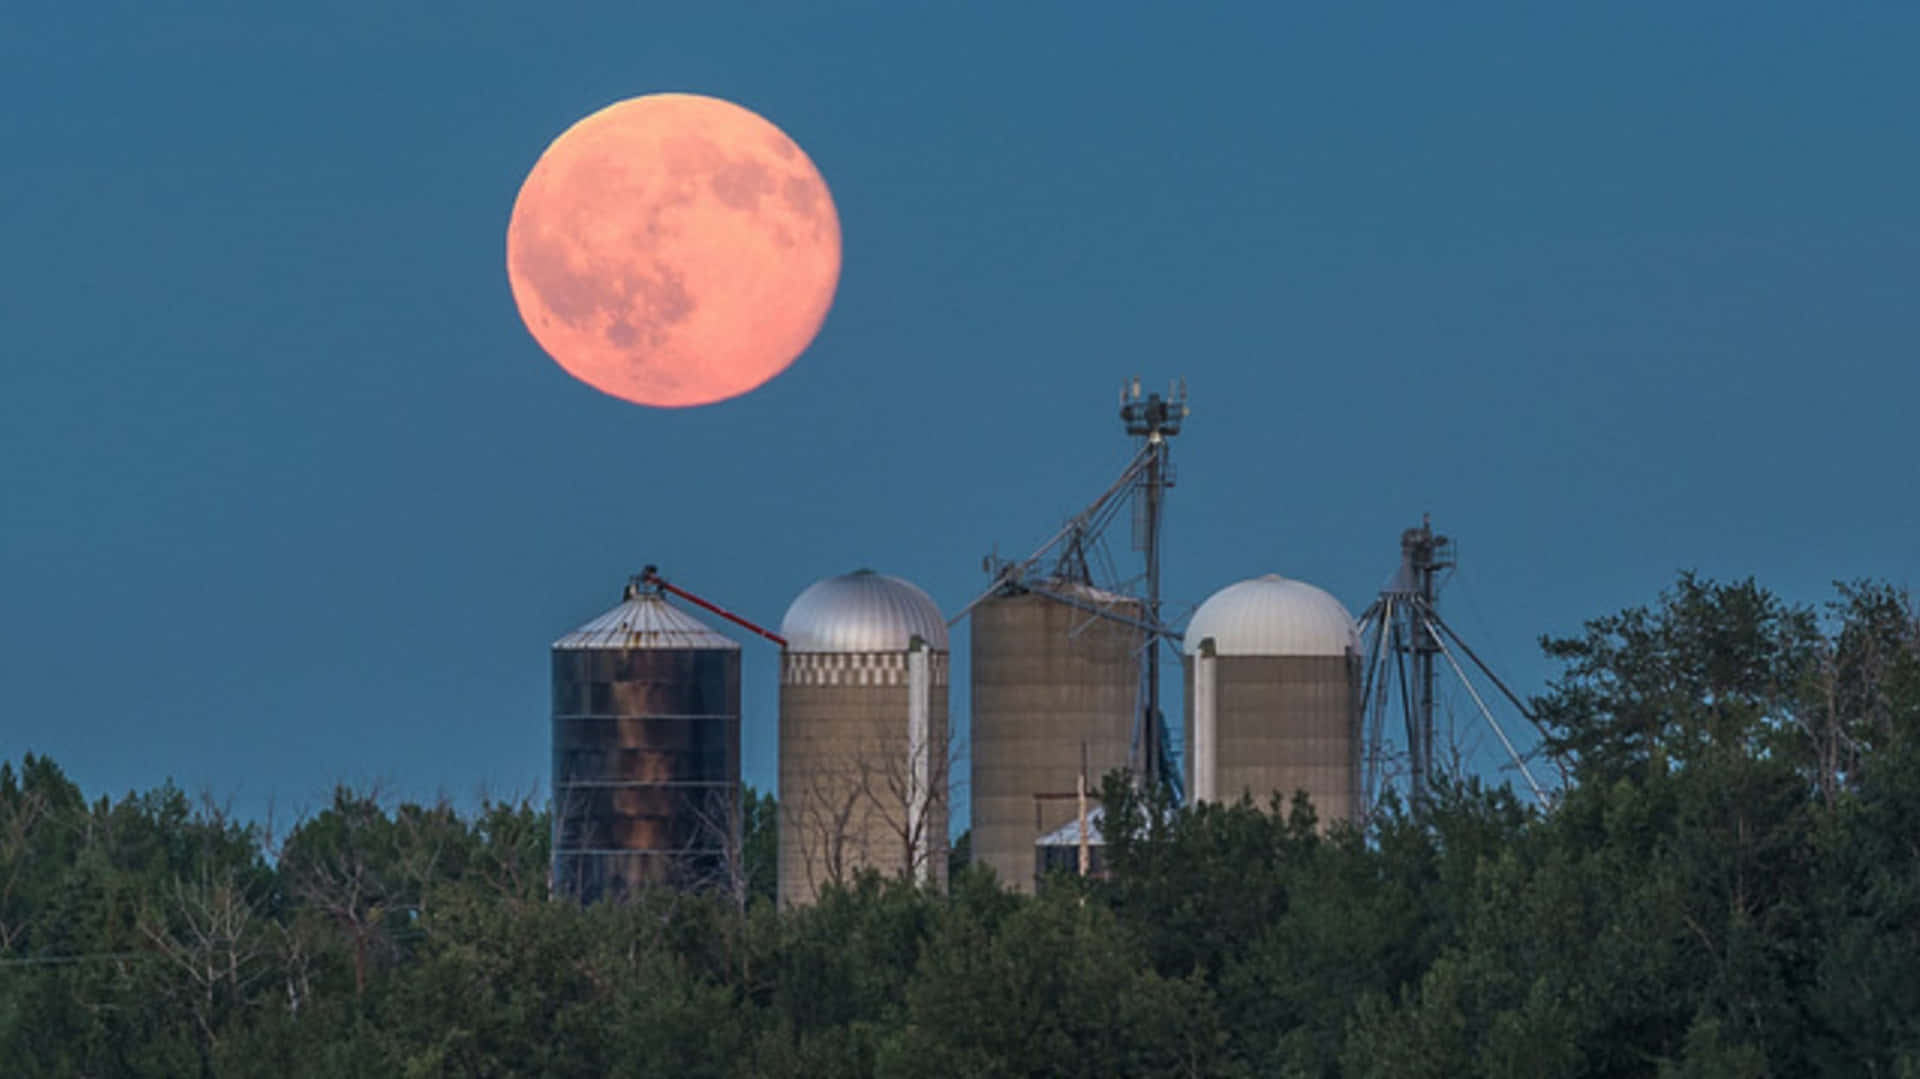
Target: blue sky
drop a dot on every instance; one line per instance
(288, 496)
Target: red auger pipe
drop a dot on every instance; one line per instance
(651, 575)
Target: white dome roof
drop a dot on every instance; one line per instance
(862, 611)
(646, 620)
(1272, 616)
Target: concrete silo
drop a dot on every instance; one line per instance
(1051, 674)
(863, 735)
(646, 751)
(1273, 700)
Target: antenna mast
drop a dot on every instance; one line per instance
(1152, 419)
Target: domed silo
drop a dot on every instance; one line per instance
(863, 735)
(646, 751)
(1273, 700)
(1051, 673)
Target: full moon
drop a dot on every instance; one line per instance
(673, 250)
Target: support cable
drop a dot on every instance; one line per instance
(1524, 711)
(1487, 714)
(1378, 702)
(1371, 706)
(1413, 738)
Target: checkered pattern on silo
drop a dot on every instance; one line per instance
(847, 769)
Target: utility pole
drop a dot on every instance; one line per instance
(1086, 851)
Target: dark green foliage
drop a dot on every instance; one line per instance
(1730, 887)
(960, 854)
(1058, 987)
(760, 845)
(1711, 668)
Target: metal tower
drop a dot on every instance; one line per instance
(1077, 549)
(1153, 420)
(1404, 638)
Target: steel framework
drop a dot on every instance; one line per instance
(1077, 548)
(1403, 641)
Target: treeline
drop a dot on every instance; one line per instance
(1729, 886)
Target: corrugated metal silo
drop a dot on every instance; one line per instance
(863, 735)
(646, 752)
(1049, 676)
(1273, 701)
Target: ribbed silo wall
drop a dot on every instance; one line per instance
(1047, 677)
(1285, 723)
(846, 767)
(646, 769)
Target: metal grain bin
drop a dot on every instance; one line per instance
(1050, 676)
(646, 752)
(1273, 701)
(863, 735)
